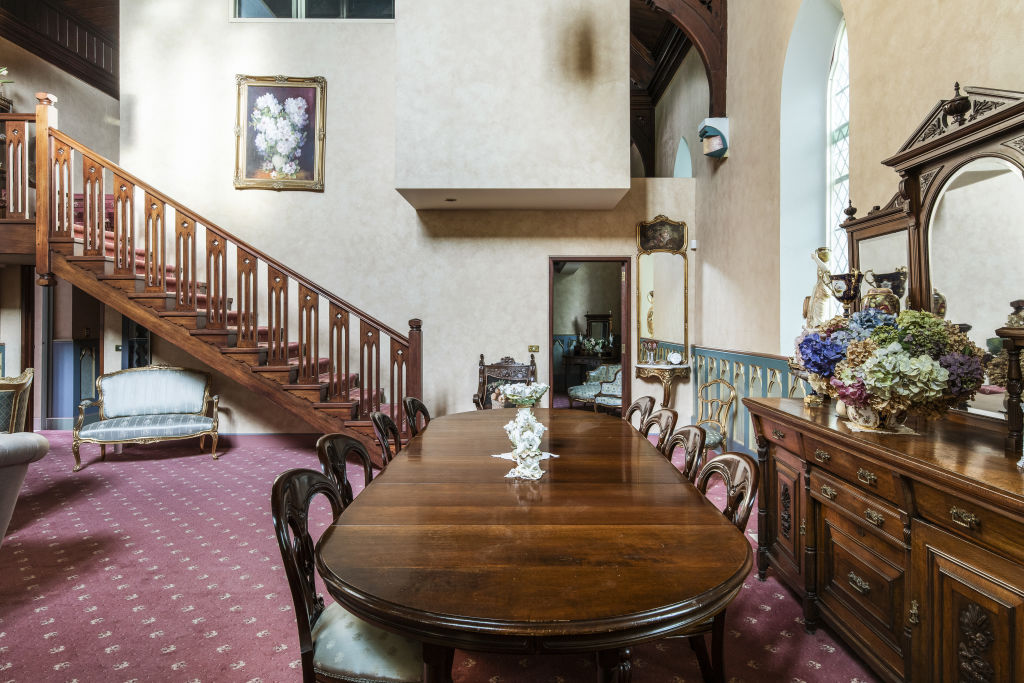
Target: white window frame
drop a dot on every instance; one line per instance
(836, 130)
(299, 10)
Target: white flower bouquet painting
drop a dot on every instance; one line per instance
(280, 133)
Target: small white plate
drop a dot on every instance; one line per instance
(675, 358)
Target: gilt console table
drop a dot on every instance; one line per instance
(911, 547)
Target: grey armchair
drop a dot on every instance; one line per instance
(17, 451)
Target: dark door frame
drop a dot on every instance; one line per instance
(625, 321)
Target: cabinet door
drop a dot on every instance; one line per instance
(970, 607)
(786, 515)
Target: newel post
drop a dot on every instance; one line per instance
(414, 376)
(46, 118)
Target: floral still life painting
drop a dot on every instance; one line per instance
(279, 133)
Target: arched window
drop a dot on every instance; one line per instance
(838, 151)
(684, 165)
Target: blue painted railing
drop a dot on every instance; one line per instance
(753, 375)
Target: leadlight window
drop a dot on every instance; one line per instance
(838, 151)
(315, 9)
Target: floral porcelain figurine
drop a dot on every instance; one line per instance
(883, 366)
(814, 305)
(525, 431)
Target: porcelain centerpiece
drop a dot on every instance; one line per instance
(525, 431)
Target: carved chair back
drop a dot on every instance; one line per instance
(289, 502)
(505, 371)
(14, 392)
(740, 474)
(716, 400)
(691, 439)
(644, 406)
(387, 434)
(333, 450)
(414, 410)
(665, 421)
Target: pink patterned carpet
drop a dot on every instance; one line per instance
(161, 565)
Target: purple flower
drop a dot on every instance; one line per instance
(965, 373)
(855, 394)
(820, 356)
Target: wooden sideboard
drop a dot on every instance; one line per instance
(910, 547)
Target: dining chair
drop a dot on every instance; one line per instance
(387, 434)
(665, 420)
(414, 409)
(691, 439)
(716, 399)
(741, 477)
(333, 450)
(334, 644)
(644, 406)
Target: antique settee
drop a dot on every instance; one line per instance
(148, 404)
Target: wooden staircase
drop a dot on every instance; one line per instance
(224, 302)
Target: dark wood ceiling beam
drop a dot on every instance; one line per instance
(672, 55)
(704, 22)
(642, 64)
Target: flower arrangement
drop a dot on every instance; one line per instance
(4, 81)
(523, 394)
(888, 365)
(280, 133)
(592, 345)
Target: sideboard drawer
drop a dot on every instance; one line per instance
(871, 512)
(787, 437)
(866, 474)
(967, 518)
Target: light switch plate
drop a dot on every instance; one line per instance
(534, 348)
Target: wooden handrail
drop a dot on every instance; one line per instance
(110, 165)
(18, 117)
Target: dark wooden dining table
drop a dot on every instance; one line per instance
(611, 548)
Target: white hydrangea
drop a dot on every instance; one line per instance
(280, 133)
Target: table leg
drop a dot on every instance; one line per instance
(718, 647)
(615, 666)
(437, 663)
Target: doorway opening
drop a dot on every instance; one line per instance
(588, 330)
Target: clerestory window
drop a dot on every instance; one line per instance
(315, 9)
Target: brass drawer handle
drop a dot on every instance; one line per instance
(874, 517)
(967, 520)
(858, 584)
(869, 478)
(828, 492)
(778, 434)
(821, 456)
(914, 616)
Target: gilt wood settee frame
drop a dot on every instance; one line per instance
(78, 440)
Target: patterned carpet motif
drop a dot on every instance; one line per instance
(161, 565)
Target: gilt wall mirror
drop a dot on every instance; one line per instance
(662, 290)
(958, 219)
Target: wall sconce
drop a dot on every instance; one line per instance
(714, 134)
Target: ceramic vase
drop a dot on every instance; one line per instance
(525, 433)
(873, 419)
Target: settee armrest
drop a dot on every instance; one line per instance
(81, 412)
(213, 401)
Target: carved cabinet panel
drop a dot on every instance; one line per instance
(788, 524)
(968, 605)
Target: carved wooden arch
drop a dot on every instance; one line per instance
(704, 22)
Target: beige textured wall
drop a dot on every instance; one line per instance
(478, 279)
(10, 318)
(524, 95)
(593, 288)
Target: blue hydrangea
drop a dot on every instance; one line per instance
(819, 355)
(863, 323)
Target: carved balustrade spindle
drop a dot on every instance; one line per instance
(185, 261)
(277, 317)
(63, 192)
(156, 258)
(216, 281)
(93, 207)
(124, 226)
(248, 305)
(399, 365)
(369, 369)
(338, 340)
(309, 335)
(17, 169)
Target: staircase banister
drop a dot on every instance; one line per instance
(18, 117)
(210, 225)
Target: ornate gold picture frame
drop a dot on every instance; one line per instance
(280, 132)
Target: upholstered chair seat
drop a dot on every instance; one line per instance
(17, 452)
(610, 394)
(714, 437)
(346, 648)
(591, 387)
(140, 427)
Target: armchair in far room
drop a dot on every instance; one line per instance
(494, 375)
(587, 392)
(610, 393)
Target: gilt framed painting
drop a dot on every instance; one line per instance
(279, 133)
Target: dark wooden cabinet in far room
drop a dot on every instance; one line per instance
(910, 547)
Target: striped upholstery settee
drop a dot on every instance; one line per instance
(143, 405)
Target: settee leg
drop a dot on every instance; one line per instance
(213, 447)
(78, 460)
(202, 442)
(103, 451)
